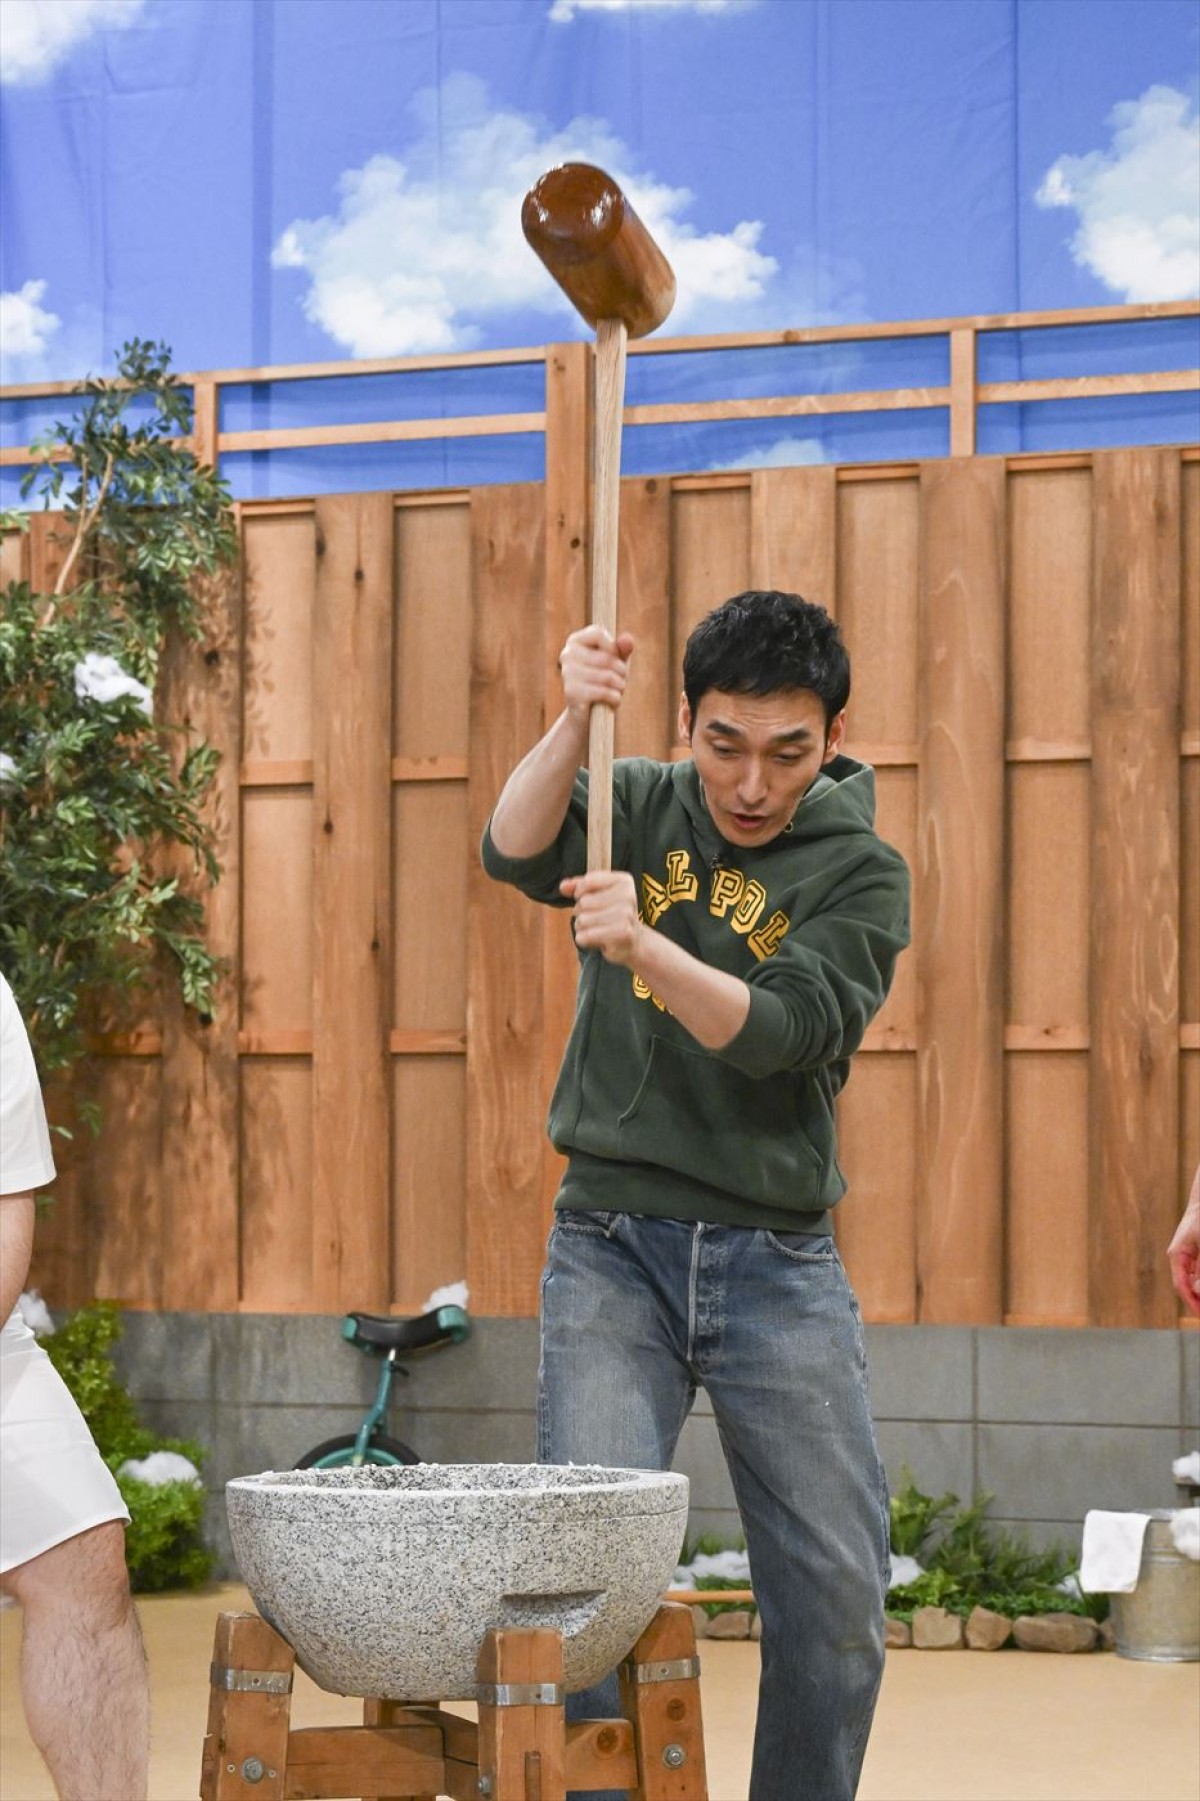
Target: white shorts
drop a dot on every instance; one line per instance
(54, 1483)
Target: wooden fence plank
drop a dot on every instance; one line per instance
(647, 718)
(793, 533)
(1189, 913)
(505, 1094)
(1135, 885)
(276, 1184)
(123, 1192)
(200, 1153)
(1046, 1224)
(279, 577)
(878, 526)
(429, 1243)
(876, 1222)
(352, 656)
(710, 555)
(433, 632)
(959, 878)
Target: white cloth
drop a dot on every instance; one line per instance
(54, 1483)
(26, 1161)
(1187, 1469)
(1112, 1552)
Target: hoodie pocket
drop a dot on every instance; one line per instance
(744, 1135)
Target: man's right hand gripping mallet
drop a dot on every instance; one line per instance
(594, 245)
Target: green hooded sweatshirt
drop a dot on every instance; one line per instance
(651, 1121)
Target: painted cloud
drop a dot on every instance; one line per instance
(37, 35)
(426, 245)
(25, 326)
(1138, 202)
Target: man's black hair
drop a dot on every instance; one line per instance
(764, 642)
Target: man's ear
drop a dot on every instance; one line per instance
(684, 726)
(835, 737)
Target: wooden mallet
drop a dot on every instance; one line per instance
(594, 245)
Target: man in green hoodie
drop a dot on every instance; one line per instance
(730, 963)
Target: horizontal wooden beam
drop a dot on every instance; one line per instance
(381, 431)
(786, 406)
(889, 1038)
(915, 328)
(450, 1042)
(1085, 387)
(275, 1044)
(282, 772)
(1048, 750)
(532, 354)
(145, 1041)
(883, 756)
(429, 769)
(1047, 1038)
(297, 772)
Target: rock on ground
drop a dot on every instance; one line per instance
(897, 1635)
(933, 1629)
(987, 1631)
(1055, 1632)
(734, 1624)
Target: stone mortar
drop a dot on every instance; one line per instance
(384, 1580)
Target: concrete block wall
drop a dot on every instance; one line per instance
(1051, 1422)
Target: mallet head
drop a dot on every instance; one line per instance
(592, 242)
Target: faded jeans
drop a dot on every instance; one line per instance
(636, 1314)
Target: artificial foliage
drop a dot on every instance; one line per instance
(101, 803)
(969, 1562)
(164, 1543)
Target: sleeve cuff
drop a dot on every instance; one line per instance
(759, 1048)
(539, 874)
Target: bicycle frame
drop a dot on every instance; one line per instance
(377, 1414)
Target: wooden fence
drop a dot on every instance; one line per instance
(363, 1120)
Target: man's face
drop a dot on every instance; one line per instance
(757, 755)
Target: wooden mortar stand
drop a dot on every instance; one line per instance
(521, 1749)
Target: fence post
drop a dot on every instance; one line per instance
(959, 905)
(1133, 1125)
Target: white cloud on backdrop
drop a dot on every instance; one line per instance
(26, 327)
(563, 11)
(423, 248)
(1138, 201)
(37, 35)
(784, 453)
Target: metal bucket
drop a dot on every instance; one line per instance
(1160, 1621)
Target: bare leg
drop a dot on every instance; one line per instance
(83, 1668)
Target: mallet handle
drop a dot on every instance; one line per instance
(610, 405)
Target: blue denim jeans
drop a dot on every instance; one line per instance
(636, 1314)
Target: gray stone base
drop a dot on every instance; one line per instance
(1050, 1422)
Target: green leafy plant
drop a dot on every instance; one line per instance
(914, 1516)
(100, 804)
(164, 1543)
(970, 1563)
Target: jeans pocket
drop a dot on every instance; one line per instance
(590, 1225)
(804, 1247)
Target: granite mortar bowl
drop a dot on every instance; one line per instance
(385, 1579)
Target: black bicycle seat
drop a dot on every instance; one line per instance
(428, 1332)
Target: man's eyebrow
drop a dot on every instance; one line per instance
(800, 734)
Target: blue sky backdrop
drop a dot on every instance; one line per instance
(277, 181)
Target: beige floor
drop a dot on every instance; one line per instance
(952, 1725)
